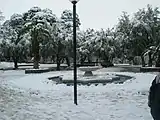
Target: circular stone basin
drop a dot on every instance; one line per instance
(88, 70)
(102, 78)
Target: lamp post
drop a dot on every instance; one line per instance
(74, 49)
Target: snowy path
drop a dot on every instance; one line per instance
(111, 102)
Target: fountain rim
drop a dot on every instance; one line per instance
(89, 68)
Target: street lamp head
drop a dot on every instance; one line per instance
(74, 1)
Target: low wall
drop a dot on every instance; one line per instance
(128, 68)
(30, 71)
(150, 69)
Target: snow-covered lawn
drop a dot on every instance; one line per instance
(33, 97)
(6, 65)
(11, 65)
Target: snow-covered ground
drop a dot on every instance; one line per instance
(11, 65)
(34, 97)
(6, 65)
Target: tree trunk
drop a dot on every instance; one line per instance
(158, 60)
(36, 64)
(143, 61)
(68, 61)
(150, 59)
(82, 59)
(35, 49)
(105, 62)
(53, 58)
(44, 59)
(58, 62)
(36, 61)
(89, 60)
(15, 60)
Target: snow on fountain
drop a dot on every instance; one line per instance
(88, 70)
(88, 77)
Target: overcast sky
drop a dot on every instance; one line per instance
(93, 13)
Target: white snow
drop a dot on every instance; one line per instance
(6, 65)
(30, 97)
(11, 65)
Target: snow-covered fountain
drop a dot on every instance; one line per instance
(89, 75)
(88, 70)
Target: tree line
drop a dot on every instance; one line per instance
(40, 35)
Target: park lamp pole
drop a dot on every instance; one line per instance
(74, 49)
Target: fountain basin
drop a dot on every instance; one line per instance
(88, 70)
(101, 78)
